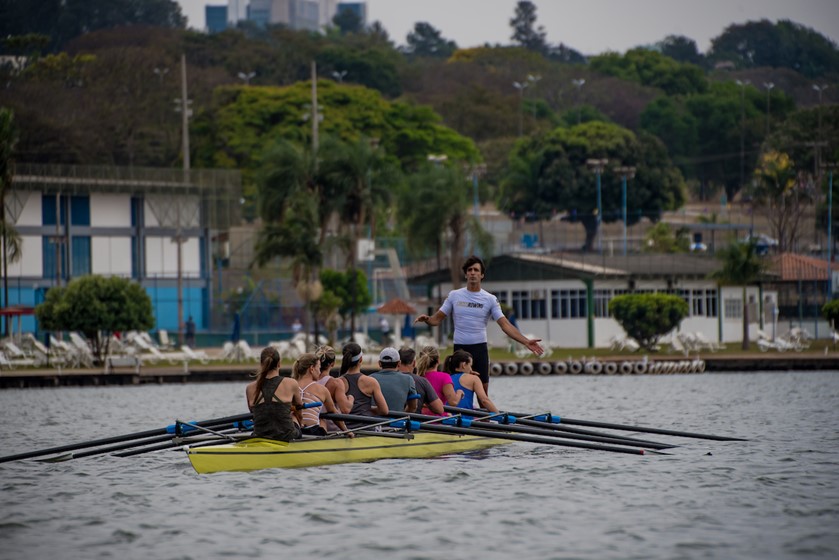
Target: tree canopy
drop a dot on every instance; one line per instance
(648, 317)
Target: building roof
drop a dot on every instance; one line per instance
(792, 267)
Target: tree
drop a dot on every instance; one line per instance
(10, 241)
(548, 174)
(681, 49)
(741, 266)
(662, 239)
(783, 196)
(653, 69)
(830, 311)
(525, 32)
(68, 19)
(435, 214)
(347, 21)
(350, 287)
(426, 40)
(648, 317)
(97, 307)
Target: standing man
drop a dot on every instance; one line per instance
(396, 387)
(471, 308)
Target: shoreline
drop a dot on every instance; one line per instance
(209, 373)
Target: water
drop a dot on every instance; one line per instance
(775, 496)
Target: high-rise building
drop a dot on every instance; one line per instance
(216, 17)
(237, 10)
(313, 15)
(360, 9)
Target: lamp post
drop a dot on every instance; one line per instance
(598, 165)
(819, 89)
(161, 72)
(339, 75)
(246, 77)
(742, 85)
(579, 82)
(521, 86)
(829, 167)
(532, 80)
(477, 171)
(626, 173)
(768, 86)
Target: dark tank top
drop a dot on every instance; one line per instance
(361, 402)
(271, 416)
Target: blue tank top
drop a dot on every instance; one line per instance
(468, 400)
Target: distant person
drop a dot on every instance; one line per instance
(384, 326)
(364, 391)
(190, 332)
(274, 399)
(397, 387)
(429, 359)
(465, 379)
(471, 308)
(296, 326)
(428, 396)
(306, 371)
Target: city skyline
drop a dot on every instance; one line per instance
(596, 26)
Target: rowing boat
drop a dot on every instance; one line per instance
(257, 453)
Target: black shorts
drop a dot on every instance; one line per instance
(480, 359)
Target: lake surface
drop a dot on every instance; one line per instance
(774, 496)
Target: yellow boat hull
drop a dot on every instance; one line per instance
(255, 454)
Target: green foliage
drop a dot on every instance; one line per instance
(548, 174)
(662, 239)
(525, 32)
(741, 266)
(95, 305)
(426, 40)
(347, 21)
(653, 69)
(348, 287)
(830, 311)
(784, 44)
(372, 67)
(681, 49)
(63, 21)
(648, 317)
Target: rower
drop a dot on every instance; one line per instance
(306, 370)
(396, 386)
(467, 380)
(271, 398)
(429, 359)
(428, 398)
(362, 390)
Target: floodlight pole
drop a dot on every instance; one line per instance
(626, 173)
(598, 165)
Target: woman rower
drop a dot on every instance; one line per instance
(362, 389)
(464, 378)
(326, 359)
(274, 400)
(427, 362)
(306, 370)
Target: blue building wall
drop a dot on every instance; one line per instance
(216, 17)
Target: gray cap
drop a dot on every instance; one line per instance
(389, 356)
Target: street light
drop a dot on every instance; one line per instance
(598, 165)
(742, 85)
(829, 167)
(820, 89)
(247, 77)
(477, 171)
(161, 72)
(768, 86)
(579, 84)
(626, 172)
(532, 80)
(339, 76)
(521, 86)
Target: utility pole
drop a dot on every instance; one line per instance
(521, 86)
(598, 165)
(626, 173)
(179, 238)
(578, 83)
(768, 86)
(314, 108)
(743, 85)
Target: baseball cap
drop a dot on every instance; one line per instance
(389, 355)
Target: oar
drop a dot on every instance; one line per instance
(553, 426)
(503, 427)
(169, 439)
(434, 428)
(118, 439)
(561, 419)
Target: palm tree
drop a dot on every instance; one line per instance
(361, 179)
(741, 266)
(10, 242)
(435, 210)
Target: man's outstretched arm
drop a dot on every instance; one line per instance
(532, 344)
(432, 321)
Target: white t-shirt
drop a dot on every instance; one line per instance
(471, 311)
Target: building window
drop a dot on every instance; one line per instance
(50, 258)
(711, 303)
(81, 256)
(698, 303)
(568, 304)
(538, 309)
(733, 308)
(601, 302)
(521, 304)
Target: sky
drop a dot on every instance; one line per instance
(589, 26)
